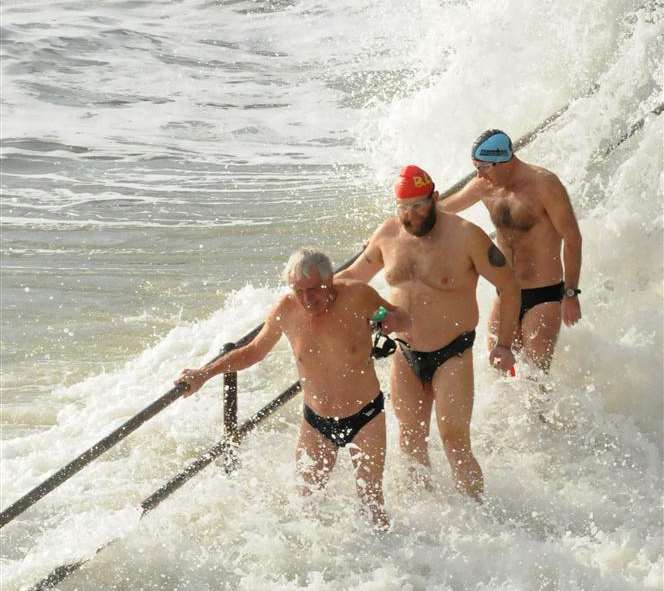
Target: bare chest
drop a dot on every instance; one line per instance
(437, 265)
(335, 340)
(512, 212)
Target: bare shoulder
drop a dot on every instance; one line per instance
(385, 231)
(359, 297)
(545, 179)
(381, 239)
(388, 229)
(345, 284)
(478, 241)
(283, 310)
(461, 226)
(552, 193)
(465, 234)
(479, 186)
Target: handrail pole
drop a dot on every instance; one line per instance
(219, 449)
(231, 457)
(66, 472)
(230, 398)
(77, 464)
(230, 404)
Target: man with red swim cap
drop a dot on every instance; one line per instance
(432, 261)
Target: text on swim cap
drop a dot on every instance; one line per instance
(419, 181)
(493, 152)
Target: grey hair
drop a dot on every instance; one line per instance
(301, 263)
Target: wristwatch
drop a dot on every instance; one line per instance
(572, 292)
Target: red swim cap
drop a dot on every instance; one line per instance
(413, 183)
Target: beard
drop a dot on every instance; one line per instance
(426, 226)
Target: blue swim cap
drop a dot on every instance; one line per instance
(492, 146)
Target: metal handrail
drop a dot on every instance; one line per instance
(65, 473)
(73, 467)
(225, 448)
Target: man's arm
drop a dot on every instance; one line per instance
(237, 359)
(491, 264)
(396, 320)
(464, 198)
(560, 211)
(366, 265)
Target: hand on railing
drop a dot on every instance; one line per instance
(192, 380)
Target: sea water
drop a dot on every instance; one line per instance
(161, 160)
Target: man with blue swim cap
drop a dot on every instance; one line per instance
(534, 222)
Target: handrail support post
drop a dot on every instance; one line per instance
(230, 456)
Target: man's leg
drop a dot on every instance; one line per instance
(453, 389)
(369, 462)
(315, 457)
(539, 329)
(412, 404)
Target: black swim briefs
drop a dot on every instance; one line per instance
(540, 295)
(425, 363)
(342, 430)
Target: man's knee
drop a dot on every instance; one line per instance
(413, 433)
(314, 468)
(315, 476)
(455, 438)
(369, 481)
(415, 420)
(415, 444)
(408, 411)
(540, 353)
(369, 460)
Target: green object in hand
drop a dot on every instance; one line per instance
(380, 314)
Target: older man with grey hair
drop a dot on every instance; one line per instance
(326, 321)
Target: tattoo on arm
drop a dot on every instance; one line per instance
(496, 258)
